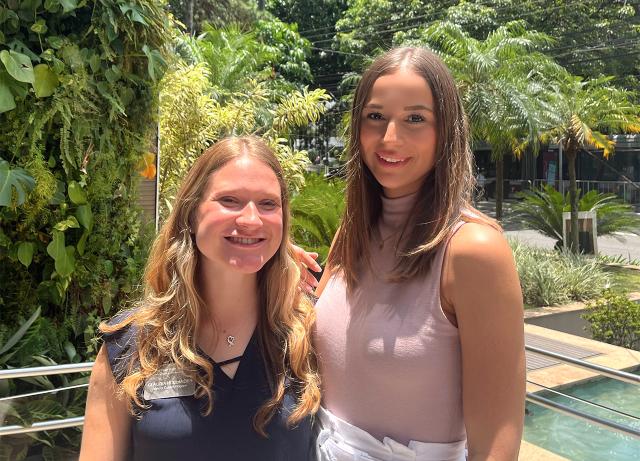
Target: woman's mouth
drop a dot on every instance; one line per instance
(245, 241)
(391, 161)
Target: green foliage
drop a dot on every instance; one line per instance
(77, 101)
(232, 88)
(35, 343)
(316, 21)
(557, 277)
(541, 210)
(195, 14)
(611, 25)
(316, 212)
(368, 27)
(187, 124)
(13, 181)
(285, 50)
(615, 319)
(582, 111)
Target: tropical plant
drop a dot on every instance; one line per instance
(500, 79)
(582, 110)
(37, 342)
(195, 14)
(316, 211)
(230, 89)
(556, 277)
(77, 90)
(615, 319)
(541, 210)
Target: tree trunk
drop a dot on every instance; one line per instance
(261, 5)
(499, 186)
(189, 16)
(573, 198)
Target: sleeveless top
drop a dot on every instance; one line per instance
(174, 428)
(390, 360)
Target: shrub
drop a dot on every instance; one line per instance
(316, 213)
(541, 210)
(615, 319)
(557, 277)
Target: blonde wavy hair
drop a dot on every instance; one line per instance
(171, 309)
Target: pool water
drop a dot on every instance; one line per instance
(579, 440)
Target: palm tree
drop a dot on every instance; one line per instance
(500, 79)
(580, 112)
(541, 210)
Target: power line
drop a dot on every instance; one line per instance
(339, 52)
(604, 58)
(396, 21)
(313, 38)
(602, 47)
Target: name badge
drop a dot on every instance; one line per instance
(168, 382)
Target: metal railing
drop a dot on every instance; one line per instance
(44, 371)
(620, 375)
(606, 371)
(627, 190)
(531, 397)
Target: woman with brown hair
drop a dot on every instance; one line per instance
(215, 361)
(419, 326)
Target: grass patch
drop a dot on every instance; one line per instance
(624, 279)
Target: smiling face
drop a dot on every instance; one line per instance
(238, 224)
(398, 132)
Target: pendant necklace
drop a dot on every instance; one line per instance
(230, 340)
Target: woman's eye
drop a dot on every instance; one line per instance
(415, 118)
(268, 205)
(228, 201)
(374, 116)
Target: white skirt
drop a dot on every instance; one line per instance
(340, 441)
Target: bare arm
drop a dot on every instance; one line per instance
(480, 284)
(107, 423)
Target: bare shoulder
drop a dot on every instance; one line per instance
(476, 242)
(479, 264)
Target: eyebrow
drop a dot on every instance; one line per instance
(415, 107)
(266, 195)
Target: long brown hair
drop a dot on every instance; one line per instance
(171, 309)
(445, 194)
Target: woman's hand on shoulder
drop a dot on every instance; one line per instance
(307, 262)
(482, 286)
(107, 422)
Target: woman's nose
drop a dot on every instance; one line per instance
(390, 134)
(249, 216)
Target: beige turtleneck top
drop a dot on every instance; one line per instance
(389, 358)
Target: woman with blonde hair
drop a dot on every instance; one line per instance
(419, 326)
(215, 361)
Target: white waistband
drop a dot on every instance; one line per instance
(338, 440)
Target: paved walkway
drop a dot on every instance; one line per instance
(625, 245)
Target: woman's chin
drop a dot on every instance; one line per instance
(247, 265)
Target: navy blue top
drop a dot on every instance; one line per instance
(174, 428)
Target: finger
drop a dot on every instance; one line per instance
(309, 278)
(308, 288)
(309, 260)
